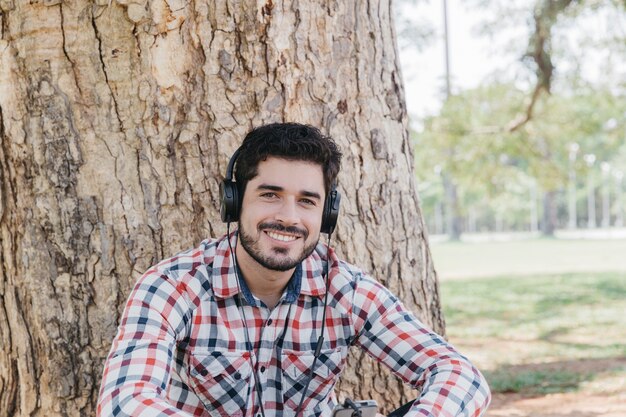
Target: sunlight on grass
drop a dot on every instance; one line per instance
(527, 332)
(458, 260)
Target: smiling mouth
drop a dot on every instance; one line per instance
(281, 237)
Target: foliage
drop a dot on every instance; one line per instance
(468, 140)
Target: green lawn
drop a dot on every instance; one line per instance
(524, 257)
(538, 332)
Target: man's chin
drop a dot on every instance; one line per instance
(280, 265)
(275, 256)
(283, 259)
(277, 250)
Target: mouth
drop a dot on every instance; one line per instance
(281, 237)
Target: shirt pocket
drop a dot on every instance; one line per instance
(220, 380)
(296, 368)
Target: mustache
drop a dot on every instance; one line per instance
(286, 229)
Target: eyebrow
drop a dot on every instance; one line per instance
(311, 194)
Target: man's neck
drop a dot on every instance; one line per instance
(266, 284)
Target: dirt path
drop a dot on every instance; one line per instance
(558, 405)
(603, 396)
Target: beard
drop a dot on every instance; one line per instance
(277, 259)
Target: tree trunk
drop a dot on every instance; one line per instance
(549, 214)
(454, 220)
(117, 119)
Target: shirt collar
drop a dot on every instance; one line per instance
(313, 272)
(223, 275)
(307, 278)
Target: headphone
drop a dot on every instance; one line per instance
(230, 207)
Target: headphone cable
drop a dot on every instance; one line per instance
(320, 339)
(250, 348)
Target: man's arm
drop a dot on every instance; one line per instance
(137, 369)
(450, 385)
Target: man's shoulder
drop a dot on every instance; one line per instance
(345, 273)
(350, 271)
(353, 289)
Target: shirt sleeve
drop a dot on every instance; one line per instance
(137, 370)
(450, 385)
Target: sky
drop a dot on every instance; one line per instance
(474, 56)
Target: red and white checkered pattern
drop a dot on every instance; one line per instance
(181, 345)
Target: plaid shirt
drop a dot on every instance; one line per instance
(181, 346)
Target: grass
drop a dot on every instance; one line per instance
(525, 257)
(535, 382)
(528, 333)
(542, 332)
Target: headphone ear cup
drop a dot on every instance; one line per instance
(331, 211)
(229, 208)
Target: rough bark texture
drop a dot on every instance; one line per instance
(117, 119)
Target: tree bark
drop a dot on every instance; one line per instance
(117, 120)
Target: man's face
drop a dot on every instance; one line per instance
(281, 213)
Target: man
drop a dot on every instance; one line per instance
(259, 322)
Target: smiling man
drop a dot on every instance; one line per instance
(259, 321)
(280, 222)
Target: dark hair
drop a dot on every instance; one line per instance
(292, 141)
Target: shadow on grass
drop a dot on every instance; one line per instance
(585, 289)
(548, 378)
(550, 304)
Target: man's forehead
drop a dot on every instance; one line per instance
(274, 161)
(289, 172)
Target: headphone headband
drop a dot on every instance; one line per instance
(231, 165)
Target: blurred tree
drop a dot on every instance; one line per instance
(529, 123)
(490, 160)
(558, 45)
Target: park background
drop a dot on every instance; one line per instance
(526, 222)
(118, 117)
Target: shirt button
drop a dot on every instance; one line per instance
(269, 322)
(237, 375)
(204, 372)
(262, 368)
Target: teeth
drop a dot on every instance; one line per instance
(283, 238)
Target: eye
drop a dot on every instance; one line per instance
(308, 202)
(269, 195)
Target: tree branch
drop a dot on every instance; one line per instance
(539, 53)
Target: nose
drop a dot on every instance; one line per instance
(288, 213)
